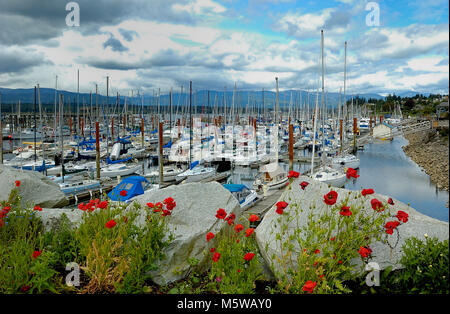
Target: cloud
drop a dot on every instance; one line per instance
(308, 25)
(115, 44)
(13, 60)
(128, 34)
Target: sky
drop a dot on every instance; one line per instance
(154, 45)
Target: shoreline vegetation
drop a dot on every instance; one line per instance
(430, 151)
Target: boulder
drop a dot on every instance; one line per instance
(190, 221)
(51, 216)
(34, 189)
(418, 224)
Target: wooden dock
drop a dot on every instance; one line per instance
(264, 204)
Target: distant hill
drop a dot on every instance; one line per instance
(47, 95)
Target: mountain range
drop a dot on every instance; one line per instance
(47, 96)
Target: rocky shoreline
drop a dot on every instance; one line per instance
(431, 153)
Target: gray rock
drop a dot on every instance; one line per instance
(35, 188)
(191, 219)
(417, 225)
(51, 216)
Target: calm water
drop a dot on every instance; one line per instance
(385, 168)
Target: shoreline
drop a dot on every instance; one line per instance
(430, 152)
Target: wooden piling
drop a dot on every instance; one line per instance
(291, 147)
(97, 148)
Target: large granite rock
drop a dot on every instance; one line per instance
(418, 224)
(51, 217)
(191, 219)
(35, 188)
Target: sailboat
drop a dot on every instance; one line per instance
(346, 160)
(272, 176)
(325, 174)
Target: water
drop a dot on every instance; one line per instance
(386, 169)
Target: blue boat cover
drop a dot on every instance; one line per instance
(168, 145)
(234, 187)
(133, 186)
(195, 163)
(110, 162)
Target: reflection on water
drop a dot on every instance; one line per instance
(385, 168)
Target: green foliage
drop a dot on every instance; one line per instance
(425, 270)
(320, 250)
(118, 259)
(426, 266)
(232, 274)
(22, 235)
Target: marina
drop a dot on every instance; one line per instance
(220, 147)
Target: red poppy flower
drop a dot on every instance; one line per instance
(166, 213)
(212, 250)
(402, 216)
(339, 262)
(156, 209)
(81, 206)
(25, 288)
(249, 232)
(150, 205)
(221, 214)
(281, 206)
(330, 198)
(304, 184)
(390, 201)
(36, 254)
(321, 276)
(365, 192)
(231, 217)
(249, 256)
(316, 251)
(209, 236)
(123, 193)
(38, 208)
(159, 205)
(2, 223)
(377, 205)
(333, 238)
(216, 257)
(103, 205)
(364, 251)
(239, 270)
(17, 183)
(309, 286)
(237, 241)
(168, 200)
(238, 228)
(171, 206)
(390, 226)
(110, 224)
(253, 218)
(345, 211)
(352, 173)
(293, 174)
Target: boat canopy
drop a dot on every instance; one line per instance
(133, 185)
(235, 187)
(111, 162)
(168, 145)
(195, 163)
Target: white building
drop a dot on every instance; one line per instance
(383, 130)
